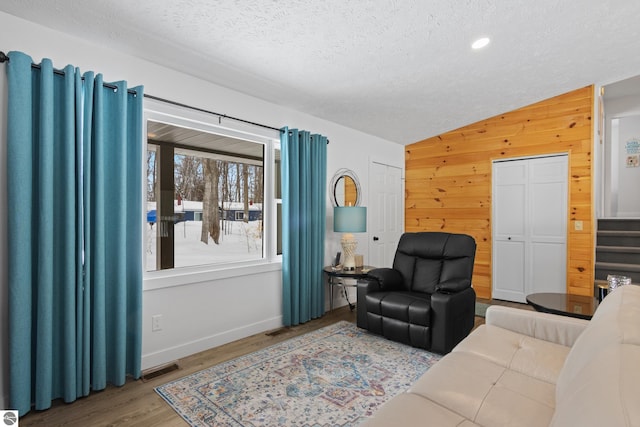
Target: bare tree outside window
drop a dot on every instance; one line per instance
(245, 191)
(217, 186)
(189, 177)
(152, 176)
(210, 203)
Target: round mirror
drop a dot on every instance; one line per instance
(345, 189)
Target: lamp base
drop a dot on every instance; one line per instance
(349, 244)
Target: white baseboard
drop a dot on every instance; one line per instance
(171, 354)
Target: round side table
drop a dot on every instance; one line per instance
(335, 276)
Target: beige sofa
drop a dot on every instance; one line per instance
(524, 368)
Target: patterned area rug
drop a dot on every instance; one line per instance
(335, 376)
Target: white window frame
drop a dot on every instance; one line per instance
(276, 202)
(206, 122)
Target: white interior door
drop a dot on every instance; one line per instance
(548, 224)
(529, 227)
(385, 213)
(509, 234)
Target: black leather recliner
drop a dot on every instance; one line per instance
(426, 299)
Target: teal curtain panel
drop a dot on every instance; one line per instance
(304, 172)
(74, 147)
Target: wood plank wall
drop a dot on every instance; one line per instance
(448, 178)
(350, 192)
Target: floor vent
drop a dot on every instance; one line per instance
(158, 371)
(278, 332)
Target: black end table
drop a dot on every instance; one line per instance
(334, 274)
(579, 306)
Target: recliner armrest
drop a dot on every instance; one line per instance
(453, 285)
(388, 279)
(452, 318)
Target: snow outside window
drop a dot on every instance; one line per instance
(205, 198)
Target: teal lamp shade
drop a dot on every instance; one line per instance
(347, 220)
(350, 219)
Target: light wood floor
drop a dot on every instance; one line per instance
(137, 404)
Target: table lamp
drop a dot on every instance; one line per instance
(348, 220)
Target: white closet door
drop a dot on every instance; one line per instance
(509, 234)
(384, 213)
(529, 227)
(548, 224)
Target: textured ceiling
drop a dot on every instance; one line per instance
(402, 70)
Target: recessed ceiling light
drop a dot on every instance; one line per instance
(480, 43)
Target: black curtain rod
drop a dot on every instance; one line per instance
(5, 58)
(222, 116)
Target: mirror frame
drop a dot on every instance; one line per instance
(344, 173)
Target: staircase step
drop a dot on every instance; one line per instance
(632, 233)
(619, 266)
(625, 249)
(605, 268)
(618, 254)
(625, 224)
(618, 238)
(618, 249)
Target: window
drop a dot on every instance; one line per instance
(277, 183)
(206, 202)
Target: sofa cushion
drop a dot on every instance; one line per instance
(487, 393)
(537, 358)
(412, 410)
(605, 392)
(460, 382)
(507, 406)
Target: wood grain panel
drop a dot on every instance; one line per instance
(449, 213)
(350, 192)
(448, 178)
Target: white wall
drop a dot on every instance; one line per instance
(626, 196)
(622, 122)
(225, 307)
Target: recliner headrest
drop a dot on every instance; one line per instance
(431, 244)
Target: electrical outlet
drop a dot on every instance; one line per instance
(156, 323)
(578, 225)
